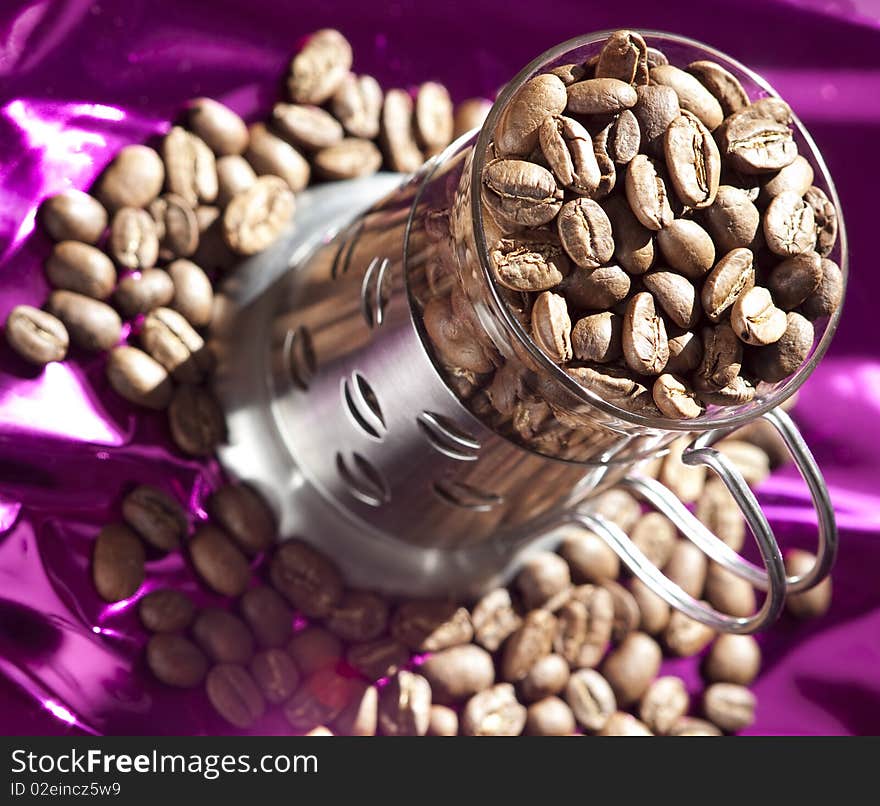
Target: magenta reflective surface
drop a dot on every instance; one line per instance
(80, 79)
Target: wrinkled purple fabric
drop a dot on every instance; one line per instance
(79, 79)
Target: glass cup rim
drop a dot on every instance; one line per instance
(717, 419)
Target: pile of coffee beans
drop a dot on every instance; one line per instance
(656, 231)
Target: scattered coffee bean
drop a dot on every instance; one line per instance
(551, 327)
(193, 295)
(626, 616)
(222, 567)
(457, 673)
(431, 625)
(405, 705)
(190, 167)
(591, 699)
(433, 117)
(73, 215)
(316, 650)
(196, 420)
(623, 724)
(517, 131)
(320, 67)
(176, 661)
(234, 176)
(37, 336)
(685, 636)
(645, 347)
(117, 563)
(270, 155)
(531, 642)
(172, 341)
(685, 481)
(789, 225)
(155, 516)
(729, 706)
(307, 127)
(357, 104)
(92, 325)
(221, 128)
(470, 114)
(493, 712)
(691, 726)
(141, 293)
(276, 675)
(494, 619)
(223, 636)
(443, 721)
(811, 603)
(655, 535)
(591, 559)
(245, 516)
(235, 695)
(133, 242)
(396, 133)
(825, 218)
(542, 577)
(631, 667)
(549, 717)
(733, 659)
(722, 84)
(307, 578)
(783, 357)
(348, 159)
(78, 267)
(133, 179)
(320, 698)
(653, 611)
(360, 717)
(378, 659)
(547, 677)
(166, 610)
(663, 704)
(256, 217)
(139, 378)
(687, 567)
(359, 616)
(267, 615)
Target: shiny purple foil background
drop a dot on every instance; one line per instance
(80, 79)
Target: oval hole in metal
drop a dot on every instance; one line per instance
(466, 496)
(342, 260)
(376, 291)
(447, 438)
(301, 360)
(363, 480)
(363, 406)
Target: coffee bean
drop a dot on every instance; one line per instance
(520, 193)
(493, 712)
(663, 704)
(133, 179)
(172, 341)
(457, 673)
(598, 337)
(585, 233)
(568, 149)
(685, 481)
(360, 716)
(320, 67)
(686, 637)
(797, 176)
(590, 558)
(307, 578)
(755, 319)
(687, 248)
(685, 353)
(431, 625)
(235, 695)
(155, 516)
(245, 516)
(729, 593)
(571, 631)
(687, 568)
(405, 705)
(396, 133)
(517, 131)
(624, 56)
(693, 161)
(133, 242)
(675, 295)
(141, 293)
(190, 167)
(117, 563)
(531, 263)
(654, 612)
(756, 145)
(722, 84)
(825, 217)
(359, 616)
(826, 299)
(37, 336)
(657, 106)
(542, 577)
(631, 667)
(623, 724)
(73, 215)
(733, 659)
(453, 339)
(531, 642)
(795, 279)
(176, 224)
(223, 636)
(647, 194)
(255, 218)
(768, 108)
(443, 721)
(617, 387)
(276, 675)
(599, 96)
(656, 57)
(320, 698)
(222, 130)
(234, 176)
(598, 289)
(221, 566)
(732, 276)
(433, 117)
(270, 155)
(645, 348)
(602, 607)
(166, 610)
(470, 114)
(196, 420)
(546, 678)
(348, 159)
(782, 358)
(789, 225)
(307, 127)
(655, 536)
(267, 615)
(691, 726)
(377, 659)
(729, 706)
(193, 294)
(92, 325)
(733, 219)
(494, 619)
(176, 661)
(750, 460)
(139, 378)
(718, 511)
(692, 95)
(316, 650)
(78, 267)
(633, 243)
(814, 602)
(591, 699)
(722, 357)
(607, 168)
(625, 611)
(357, 104)
(551, 327)
(549, 717)
(675, 398)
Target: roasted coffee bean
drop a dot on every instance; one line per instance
(656, 57)
(631, 667)
(722, 357)
(235, 695)
(687, 248)
(139, 378)
(783, 357)
(675, 295)
(319, 699)
(193, 294)
(618, 506)
(624, 138)
(691, 726)
(234, 176)
(176, 661)
(826, 299)
(551, 327)
(176, 225)
(769, 108)
(599, 96)
(533, 263)
(653, 611)
(221, 129)
(789, 225)
(443, 721)
(693, 160)
(268, 616)
(719, 512)
(78, 267)
(276, 675)
(736, 393)
(733, 219)
(494, 619)
(307, 127)
(633, 243)
(795, 279)
(520, 193)
(359, 616)
(270, 155)
(92, 325)
(155, 516)
(377, 659)
(825, 217)
(190, 167)
(37, 336)
(117, 563)
(531, 642)
(454, 339)
(617, 387)
(811, 603)
(133, 242)
(568, 149)
(733, 659)
(542, 577)
(732, 276)
(245, 516)
(598, 337)
(685, 481)
(687, 568)
(655, 536)
(685, 353)
(166, 610)
(571, 631)
(433, 117)
(750, 460)
(585, 233)
(675, 398)
(320, 67)
(307, 578)
(685, 636)
(692, 95)
(657, 106)
(357, 104)
(546, 678)
(172, 341)
(431, 625)
(624, 56)
(549, 717)
(470, 114)
(223, 636)
(625, 611)
(591, 699)
(316, 651)
(196, 420)
(457, 673)
(607, 168)
(647, 194)
(133, 179)
(396, 133)
(755, 319)
(797, 176)
(348, 159)
(645, 348)
(254, 219)
(622, 724)
(601, 605)
(517, 131)
(722, 84)
(360, 716)
(141, 293)
(729, 593)
(73, 215)
(493, 712)
(729, 706)
(405, 705)
(221, 566)
(663, 704)
(571, 73)
(590, 558)
(756, 145)
(597, 289)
